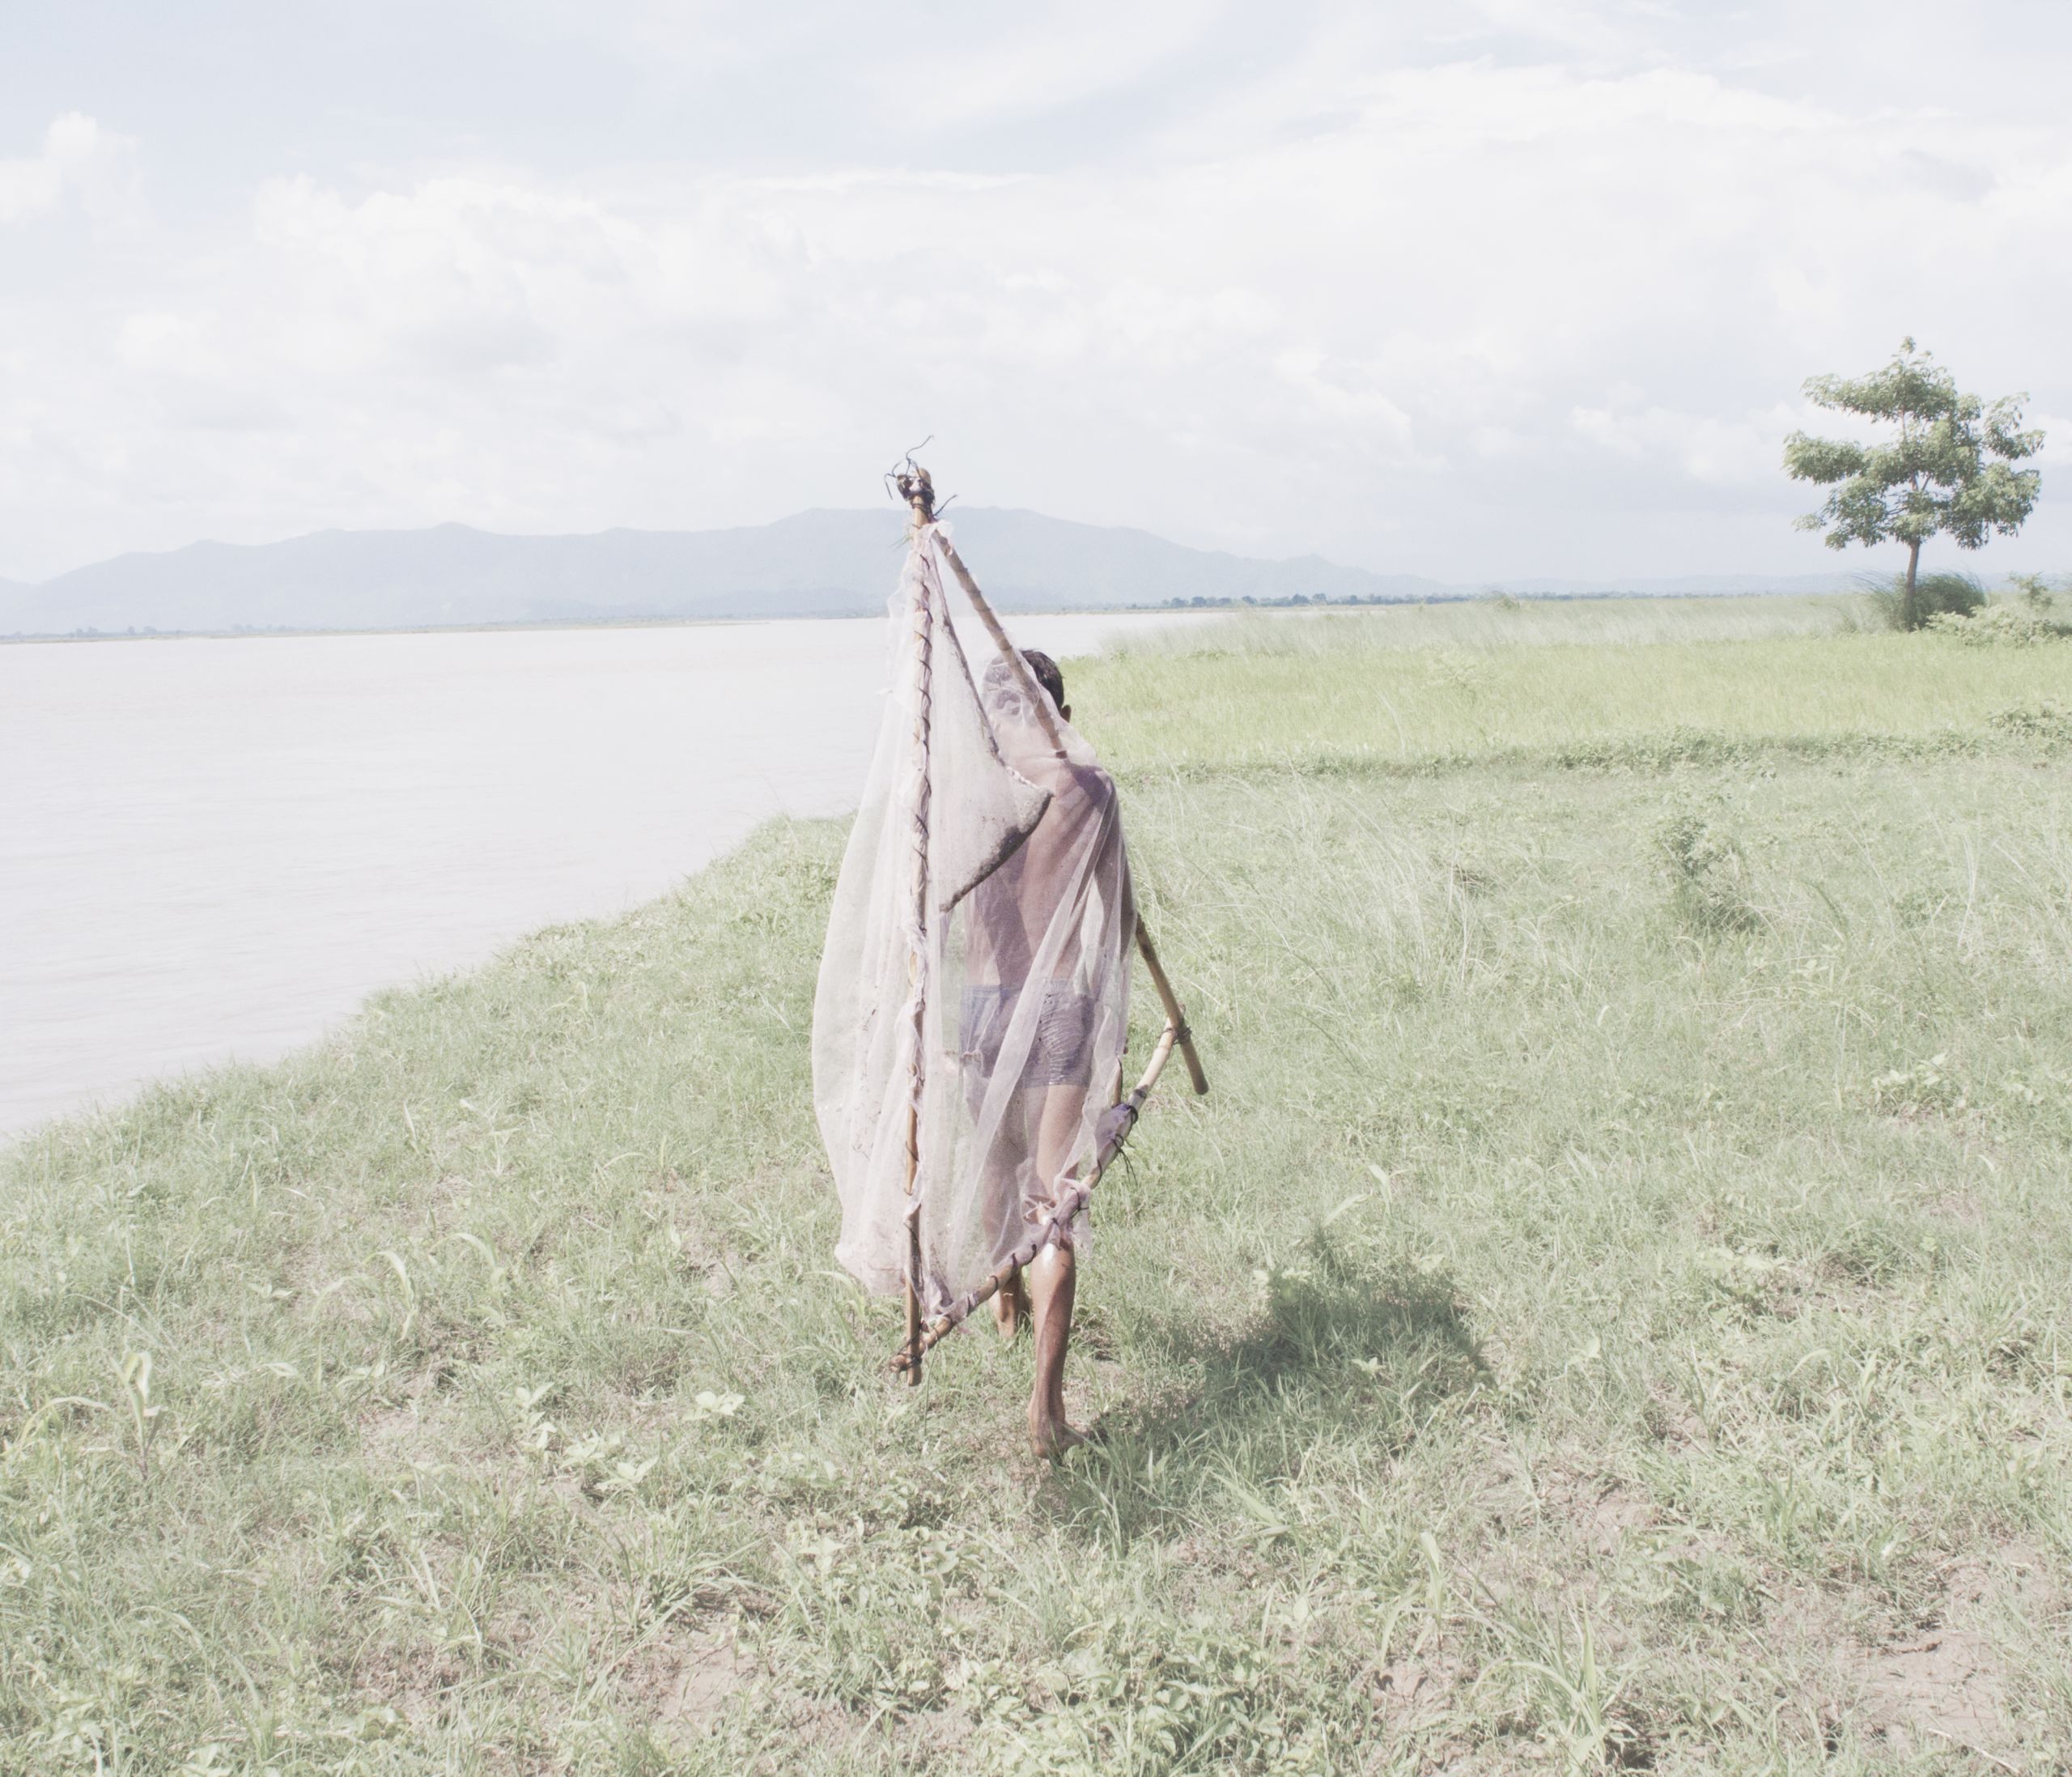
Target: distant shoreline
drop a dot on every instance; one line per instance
(1229, 607)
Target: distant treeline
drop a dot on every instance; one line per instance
(1495, 596)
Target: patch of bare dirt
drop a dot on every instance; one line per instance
(1601, 1506)
(415, 1681)
(1941, 1684)
(1959, 1205)
(1946, 1685)
(413, 1424)
(1944, 1689)
(1562, 1492)
(683, 1684)
(393, 1433)
(1671, 1421)
(1419, 1688)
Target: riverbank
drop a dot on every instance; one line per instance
(1611, 1309)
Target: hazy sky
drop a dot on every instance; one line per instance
(1508, 288)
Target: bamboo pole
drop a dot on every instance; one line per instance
(1121, 1120)
(1004, 643)
(1176, 1019)
(923, 620)
(913, 1270)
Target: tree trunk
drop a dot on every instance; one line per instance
(1909, 611)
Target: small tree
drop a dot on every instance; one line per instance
(1934, 477)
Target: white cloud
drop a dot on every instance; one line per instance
(76, 152)
(1710, 449)
(1474, 317)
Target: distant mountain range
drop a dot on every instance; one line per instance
(815, 564)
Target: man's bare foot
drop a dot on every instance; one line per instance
(1050, 1437)
(1010, 1307)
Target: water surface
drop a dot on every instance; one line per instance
(215, 848)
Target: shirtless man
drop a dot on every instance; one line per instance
(1075, 849)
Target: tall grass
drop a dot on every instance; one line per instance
(1944, 594)
(1391, 709)
(1610, 1312)
(1490, 623)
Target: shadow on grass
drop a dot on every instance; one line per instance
(1343, 1360)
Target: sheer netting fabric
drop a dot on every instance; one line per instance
(974, 992)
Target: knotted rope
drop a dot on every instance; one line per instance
(920, 495)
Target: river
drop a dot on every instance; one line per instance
(215, 848)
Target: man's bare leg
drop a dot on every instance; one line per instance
(1052, 1285)
(1053, 1280)
(1011, 1306)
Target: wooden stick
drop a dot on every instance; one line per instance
(1176, 1019)
(1004, 643)
(913, 1345)
(924, 668)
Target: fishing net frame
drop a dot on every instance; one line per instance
(897, 1125)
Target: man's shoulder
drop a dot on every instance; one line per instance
(1093, 780)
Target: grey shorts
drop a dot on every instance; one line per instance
(1061, 1052)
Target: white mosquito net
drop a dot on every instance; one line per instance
(974, 995)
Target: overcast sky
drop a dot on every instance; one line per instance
(1513, 288)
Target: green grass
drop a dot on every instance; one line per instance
(1596, 683)
(1498, 622)
(1611, 1312)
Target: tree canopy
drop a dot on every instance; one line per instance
(1948, 471)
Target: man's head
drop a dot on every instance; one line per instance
(1048, 676)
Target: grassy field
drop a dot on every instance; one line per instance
(1590, 682)
(1612, 1312)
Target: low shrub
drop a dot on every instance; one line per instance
(2046, 720)
(1997, 625)
(1934, 595)
(1707, 871)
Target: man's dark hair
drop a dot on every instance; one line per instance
(1047, 674)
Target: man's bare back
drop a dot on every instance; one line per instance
(1011, 916)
